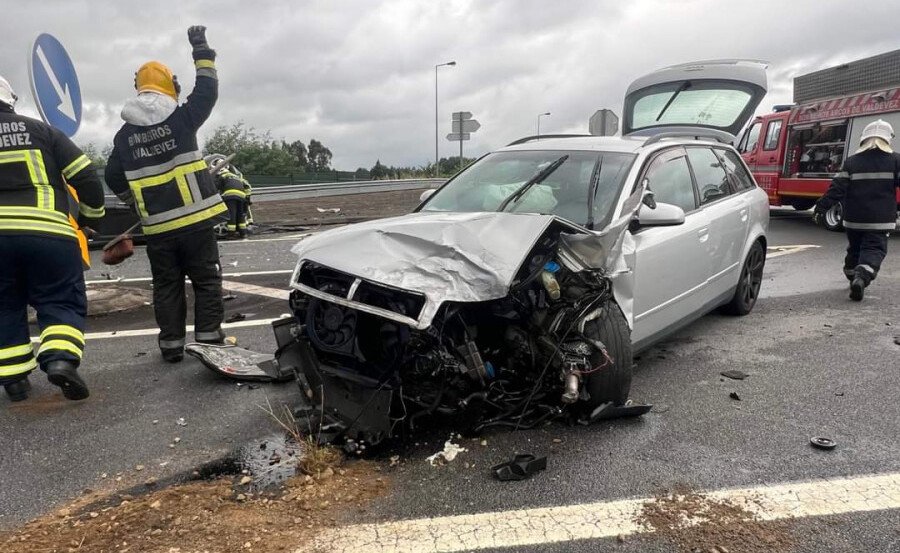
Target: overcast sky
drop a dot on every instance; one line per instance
(359, 75)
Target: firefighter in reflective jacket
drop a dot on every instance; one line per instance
(235, 191)
(866, 188)
(46, 183)
(157, 167)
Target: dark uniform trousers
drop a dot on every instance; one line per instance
(45, 273)
(866, 250)
(195, 255)
(237, 214)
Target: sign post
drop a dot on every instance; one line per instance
(462, 126)
(54, 84)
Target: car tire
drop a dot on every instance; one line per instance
(747, 290)
(802, 205)
(833, 219)
(611, 383)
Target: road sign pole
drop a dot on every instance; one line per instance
(460, 153)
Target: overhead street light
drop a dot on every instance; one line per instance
(539, 122)
(449, 63)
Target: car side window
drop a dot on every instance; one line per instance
(712, 181)
(669, 178)
(740, 178)
(773, 132)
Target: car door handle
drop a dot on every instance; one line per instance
(703, 234)
(743, 213)
(773, 159)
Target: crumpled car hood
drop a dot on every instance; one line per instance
(463, 257)
(458, 257)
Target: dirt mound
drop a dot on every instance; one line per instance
(221, 515)
(694, 522)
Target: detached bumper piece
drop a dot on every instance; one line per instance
(519, 468)
(238, 363)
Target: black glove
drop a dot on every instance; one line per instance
(822, 206)
(197, 36)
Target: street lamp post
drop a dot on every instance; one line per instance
(449, 63)
(539, 122)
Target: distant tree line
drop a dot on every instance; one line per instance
(257, 153)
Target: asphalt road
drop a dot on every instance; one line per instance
(819, 364)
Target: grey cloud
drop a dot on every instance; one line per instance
(359, 75)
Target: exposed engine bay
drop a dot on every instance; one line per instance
(555, 345)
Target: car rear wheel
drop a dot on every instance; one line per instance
(611, 383)
(747, 290)
(833, 219)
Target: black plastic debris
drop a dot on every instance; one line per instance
(235, 317)
(897, 340)
(822, 443)
(519, 468)
(734, 374)
(734, 396)
(610, 411)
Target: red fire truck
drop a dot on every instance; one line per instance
(795, 151)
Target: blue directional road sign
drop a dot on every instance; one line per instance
(54, 84)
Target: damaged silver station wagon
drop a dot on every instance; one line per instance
(519, 290)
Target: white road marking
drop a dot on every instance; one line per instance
(278, 294)
(224, 275)
(778, 251)
(155, 331)
(528, 527)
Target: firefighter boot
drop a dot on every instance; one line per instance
(65, 375)
(857, 288)
(18, 390)
(172, 355)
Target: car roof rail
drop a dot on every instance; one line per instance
(542, 136)
(717, 135)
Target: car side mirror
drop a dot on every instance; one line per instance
(662, 216)
(426, 194)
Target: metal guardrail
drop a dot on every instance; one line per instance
(297, 191)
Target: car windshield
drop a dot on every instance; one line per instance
(564, 192)
(713, 104)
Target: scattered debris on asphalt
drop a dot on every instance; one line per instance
(519, 468)
(203, 515)
(235, 317)
(734, 396)
(229, 297)
(328, 209)
(821, 442)
(694, 522)
(181, 421)
(734, 374)
(140, 354)
(446, 455)
(897, 340)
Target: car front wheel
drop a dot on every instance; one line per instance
(747, 290)
(612, 381)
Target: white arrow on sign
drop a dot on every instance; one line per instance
(457, 137)
(469, 125)
(66, 107)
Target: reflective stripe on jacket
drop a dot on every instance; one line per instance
(46, 181)
(231, 185)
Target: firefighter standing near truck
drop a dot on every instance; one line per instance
(866, 188)
(156, 166)
(46, 183)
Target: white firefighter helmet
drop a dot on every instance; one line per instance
(7, 96)
(216, 163)
(877, 134)
(878, 129)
